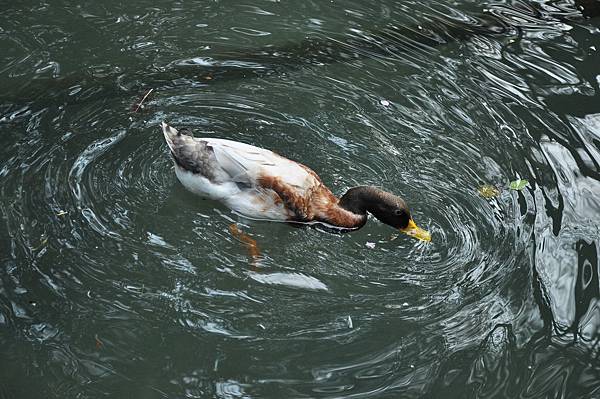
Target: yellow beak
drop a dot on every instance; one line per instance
(415, 231)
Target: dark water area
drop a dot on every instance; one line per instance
(117, 282)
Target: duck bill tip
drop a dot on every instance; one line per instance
(415, 231)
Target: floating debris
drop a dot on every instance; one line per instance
(140, 104)
(518, 184)
(488, 191)
(62, 213)
(370, 244)
(385, 103)
(99, 343)
(350, 325)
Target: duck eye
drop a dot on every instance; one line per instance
(398, 212)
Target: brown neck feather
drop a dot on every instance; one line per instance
(340, 217)
(351, 210)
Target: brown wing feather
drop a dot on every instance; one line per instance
(316, 203)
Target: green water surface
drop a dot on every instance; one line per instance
(116, 282)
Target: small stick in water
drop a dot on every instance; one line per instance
(139, 105)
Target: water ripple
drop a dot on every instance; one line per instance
(115, 279)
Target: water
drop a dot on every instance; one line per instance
(115, 281)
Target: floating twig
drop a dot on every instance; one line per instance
(142, 101)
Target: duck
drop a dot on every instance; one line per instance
(258, 183)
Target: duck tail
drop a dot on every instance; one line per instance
(170, 134)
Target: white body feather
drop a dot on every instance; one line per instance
(236, 170)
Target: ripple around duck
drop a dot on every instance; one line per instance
(103, 253)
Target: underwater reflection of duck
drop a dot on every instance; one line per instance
(259, 184)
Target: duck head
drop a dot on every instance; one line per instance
(386, 207)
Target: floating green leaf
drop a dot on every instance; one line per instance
(488, 191)
(518, 184)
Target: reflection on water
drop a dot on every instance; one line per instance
(116, 281)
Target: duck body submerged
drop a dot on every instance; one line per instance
(260, 184)
(255, 182)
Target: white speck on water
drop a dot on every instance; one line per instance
(385, 103)
(350, 325)
(370, 244)
(322, 375)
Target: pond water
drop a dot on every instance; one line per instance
(117, 282)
